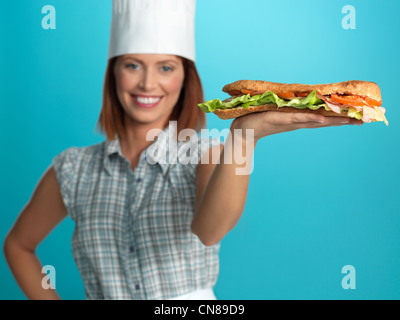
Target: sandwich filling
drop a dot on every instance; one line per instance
(361, 108)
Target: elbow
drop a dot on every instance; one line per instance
(12, 248)
(7, 247)
(206, 240)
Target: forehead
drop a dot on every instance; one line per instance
(151, 58)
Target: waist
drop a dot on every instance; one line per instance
(202, 294)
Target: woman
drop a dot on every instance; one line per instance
(144, 231)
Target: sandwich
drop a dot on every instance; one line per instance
(354, 99)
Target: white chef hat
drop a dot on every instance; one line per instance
(153, 26)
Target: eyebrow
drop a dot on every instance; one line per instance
(140, 61)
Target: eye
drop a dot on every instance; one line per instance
(166, 68)
(133, 66)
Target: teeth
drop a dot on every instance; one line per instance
(147, 100)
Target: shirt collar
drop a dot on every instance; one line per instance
(113, 147)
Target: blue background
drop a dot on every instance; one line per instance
(318, 199)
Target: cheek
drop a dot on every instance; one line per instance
(123, 82)
(174, 85)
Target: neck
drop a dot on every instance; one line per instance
(134, 141)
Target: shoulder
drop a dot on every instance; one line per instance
(197, 151)
(73, 163)
(71, 159)
(77, 153)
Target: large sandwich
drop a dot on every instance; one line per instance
(354, 99)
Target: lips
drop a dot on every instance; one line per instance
(146, 101)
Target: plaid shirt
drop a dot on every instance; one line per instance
(132, 237)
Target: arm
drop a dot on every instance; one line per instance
(220, 192)
(43, 212)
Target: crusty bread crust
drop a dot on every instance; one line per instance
(354, 87)
(240, 111)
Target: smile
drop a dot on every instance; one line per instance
(146, 101)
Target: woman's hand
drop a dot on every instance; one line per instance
(272, 122)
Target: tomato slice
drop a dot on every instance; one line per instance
(244, 91)
(292, 95)
(302, 94)
(372, 102)
(350, 100)
(286, 95)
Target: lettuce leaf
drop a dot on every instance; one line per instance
(268, 97)
(353, 113)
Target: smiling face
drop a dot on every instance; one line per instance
(148, 86)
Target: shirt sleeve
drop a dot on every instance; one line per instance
(64, 166)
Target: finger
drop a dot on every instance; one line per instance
(356, 122)
(340, 121)
(336, 121)
(288, 118)
(322, 121)
(330, 122)
(307, 117)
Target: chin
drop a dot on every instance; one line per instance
(147, 119)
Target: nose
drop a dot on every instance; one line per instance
(148, 81)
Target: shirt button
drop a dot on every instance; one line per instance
(138, 180)
(131, 249)
(137, 287)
